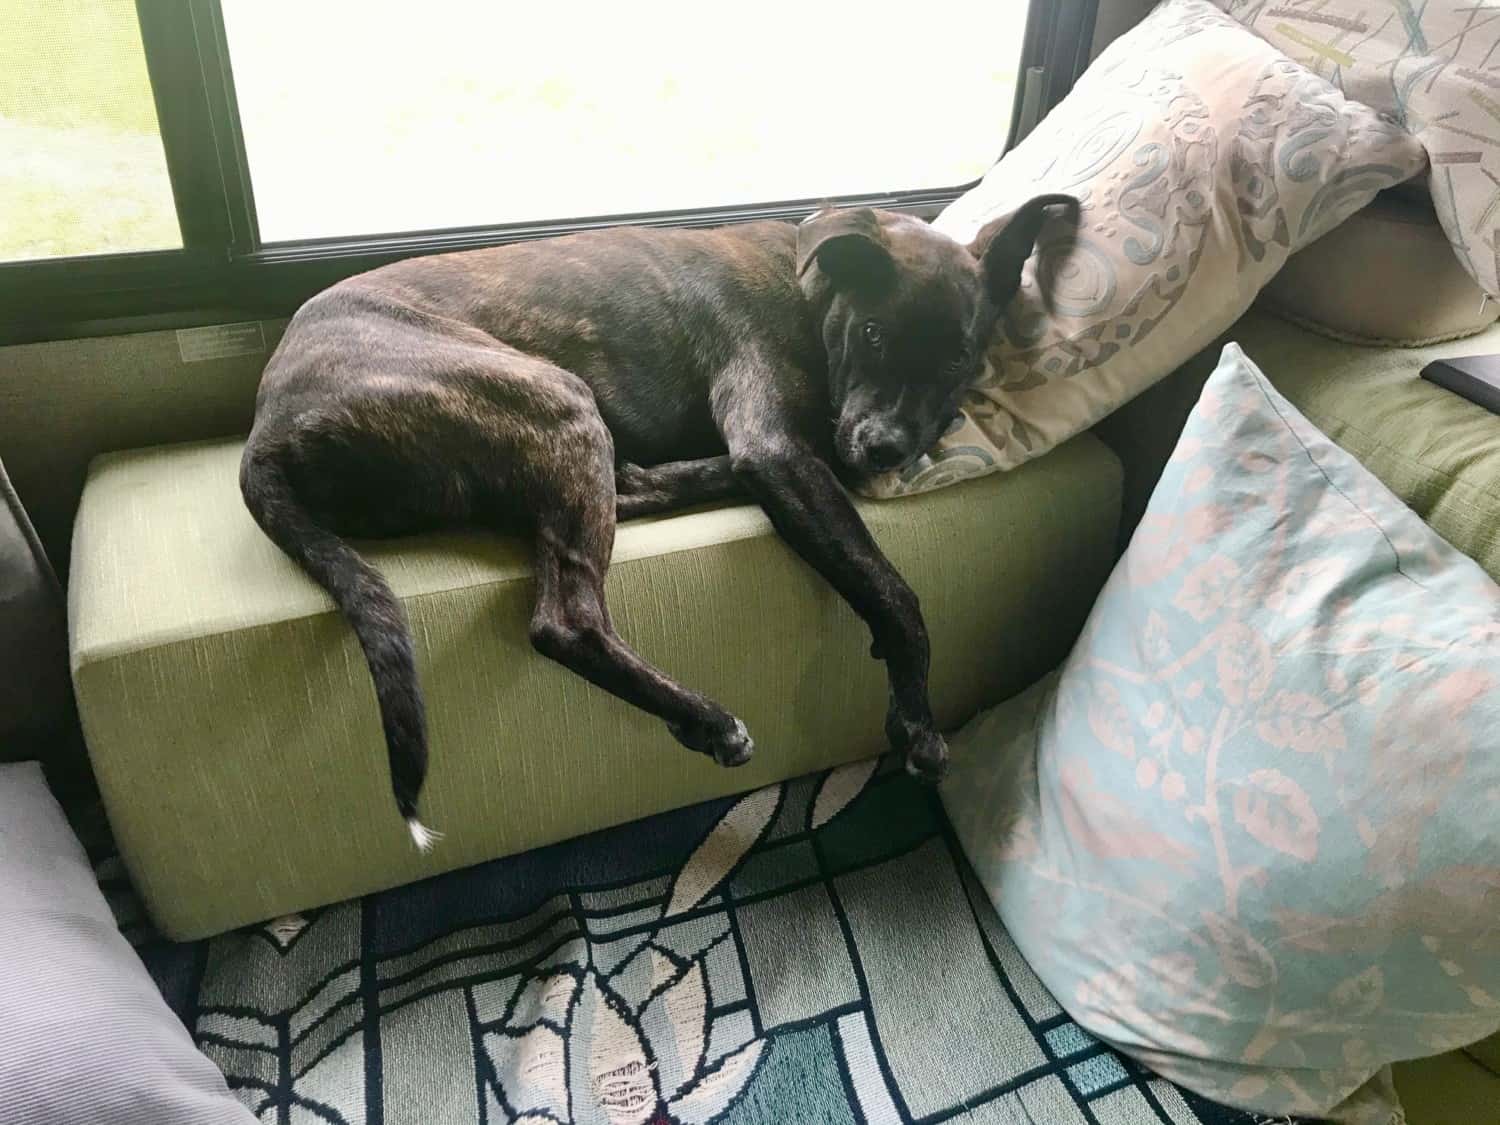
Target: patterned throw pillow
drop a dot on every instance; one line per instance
(1433, 67)
(1203, 157)
(1248, 833)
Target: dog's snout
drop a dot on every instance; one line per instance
(881, 446)
(884, 453)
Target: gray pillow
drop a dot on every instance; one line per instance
(85, 1037)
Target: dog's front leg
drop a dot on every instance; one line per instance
(649, 489)
(811, 511)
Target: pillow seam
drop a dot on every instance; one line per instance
(1326, 420)
(1261, 385)
(1332, 332)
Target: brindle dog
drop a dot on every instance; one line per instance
(560, 385)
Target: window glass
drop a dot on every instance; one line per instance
(369, 117)
(81, 163)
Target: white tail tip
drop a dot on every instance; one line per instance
(421, 835)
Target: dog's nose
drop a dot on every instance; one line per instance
(884, 452)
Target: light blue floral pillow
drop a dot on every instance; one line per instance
(1250, 832)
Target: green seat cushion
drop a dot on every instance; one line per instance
(1450, 1089)
(1437, 451)
(232, 724)
(1487, 1054)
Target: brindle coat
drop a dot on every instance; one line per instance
(557, 386)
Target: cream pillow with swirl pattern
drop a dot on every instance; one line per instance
(1203, 158)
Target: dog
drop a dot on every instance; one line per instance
(560, 385)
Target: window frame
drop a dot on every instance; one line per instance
(224, 272)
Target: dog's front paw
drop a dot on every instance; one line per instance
(924, 750)
(633, 480)
(725, 740)
(927, 758)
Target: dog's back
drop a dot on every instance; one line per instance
(644, 317)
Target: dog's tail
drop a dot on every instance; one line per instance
(378, 620)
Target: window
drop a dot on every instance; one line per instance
(165, 162)
(81, 163)
(370, 121)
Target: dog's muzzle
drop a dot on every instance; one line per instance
(879, 446)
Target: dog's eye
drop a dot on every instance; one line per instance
(873, 336)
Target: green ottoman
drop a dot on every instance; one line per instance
(233, 729)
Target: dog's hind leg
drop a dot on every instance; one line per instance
(644, 490)
(575, 526)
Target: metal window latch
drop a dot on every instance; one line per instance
(1032, 83)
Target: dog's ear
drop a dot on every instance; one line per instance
(848, 245)
(1003, 245)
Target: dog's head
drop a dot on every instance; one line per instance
(907, 314)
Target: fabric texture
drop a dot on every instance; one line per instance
(64, 402)
(1430, 447)
(1202, 158)
(1246, 835)
(33, 636)
(1444, 1089)
(1386, 276)
(813, 953)
(84, 1033)
(1487, 1054)
(1433, 67)
(233, 729)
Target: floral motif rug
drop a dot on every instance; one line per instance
(816, 951)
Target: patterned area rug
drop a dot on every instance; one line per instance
(816, 951)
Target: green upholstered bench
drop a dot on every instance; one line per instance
(232, 724)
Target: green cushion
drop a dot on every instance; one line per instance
(1438, 452)
(1487, 1054)
(1451, 1089)
(233, 728)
